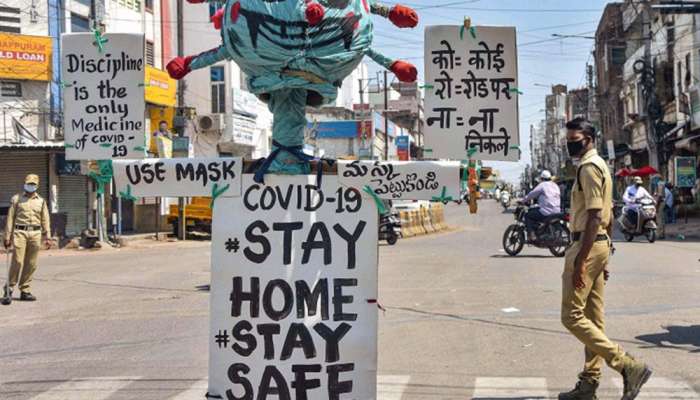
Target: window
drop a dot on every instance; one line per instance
(150, 59)
(79, 23)
(218, 90)
(149, 5)
(10, 89)
(9, 20)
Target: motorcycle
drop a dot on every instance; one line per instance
(553, 234)
(505, 200)
(645, 224)
(389, 228)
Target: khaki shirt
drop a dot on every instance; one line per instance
(596, 193)
(31, 210)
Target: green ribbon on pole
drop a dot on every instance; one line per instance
(516, 90)
(471, 152)
(216, 192)
(126, 194)
(99, 40)
(68, 146)
(377, 200)
(443, 198)
(139, 148)
(105, 145)
(427, 86)
(104, 176)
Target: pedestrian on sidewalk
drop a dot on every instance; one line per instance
(669, 213)
(585, 270)
(660, 196)
(27, 221)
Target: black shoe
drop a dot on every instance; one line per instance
(26, 296)
(634, 375)
(584, 390)
(7, 297)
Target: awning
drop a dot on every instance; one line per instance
(685, 143)
(42, 145)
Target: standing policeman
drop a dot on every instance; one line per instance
(27, 220)
(585, 271)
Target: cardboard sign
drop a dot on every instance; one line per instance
(471, 103)
(293, 292)
(103, 98)
(179, 176)
(397, 180)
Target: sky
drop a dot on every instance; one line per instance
(542, 59)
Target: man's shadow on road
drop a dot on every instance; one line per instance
(523, 256)
(677, 337)
(509, 398)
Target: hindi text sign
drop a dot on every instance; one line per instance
(103, 98)
(471, 102)
(293, 292)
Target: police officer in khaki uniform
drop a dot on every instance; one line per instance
(585, 270)
(27, 220)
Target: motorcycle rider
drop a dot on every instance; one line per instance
(633, 194)
(548, 198)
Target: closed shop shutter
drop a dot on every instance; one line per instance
(15, 166)
(73, 201)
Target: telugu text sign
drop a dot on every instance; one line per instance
(471, 103)
(103, 97)
(179, 176)
(397, 180)
(293, 292)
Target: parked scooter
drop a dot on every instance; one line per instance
(645, 224)
(389, 228)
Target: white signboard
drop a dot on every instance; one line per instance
(403, 180)
(471, 101)
(103, 98)
(293, 292)
(179, 177)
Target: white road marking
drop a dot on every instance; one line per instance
(87, 388)
(391, 387)
(663, 388)
(195, 392)
(487, 388)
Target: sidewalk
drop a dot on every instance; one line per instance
(684, 231)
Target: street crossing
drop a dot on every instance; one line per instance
(389, 387)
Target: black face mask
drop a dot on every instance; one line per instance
(575, 148)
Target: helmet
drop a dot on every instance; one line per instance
(546, 175)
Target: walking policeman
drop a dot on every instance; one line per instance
(585, 270)
(27, 221)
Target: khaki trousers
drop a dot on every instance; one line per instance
(582, 311)
(27, 245)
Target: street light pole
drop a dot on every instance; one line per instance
(386, 115)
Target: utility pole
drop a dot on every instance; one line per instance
(182, 225)
(363, 143)
(650, 95)
(386, 115)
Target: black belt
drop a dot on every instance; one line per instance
(28, 228)
(576, 236)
